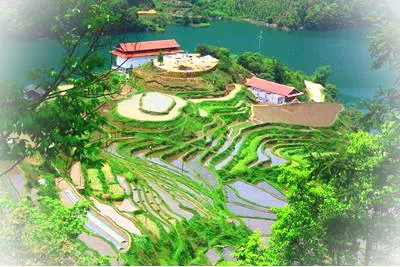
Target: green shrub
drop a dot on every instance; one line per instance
(94, 180)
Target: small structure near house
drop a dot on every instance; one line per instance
(271, 92)
(33, 92)
(132, 55)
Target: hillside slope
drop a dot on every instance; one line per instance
(293, 14)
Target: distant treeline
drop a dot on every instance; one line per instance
(292, 14)
(32, 19)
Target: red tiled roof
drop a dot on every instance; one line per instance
(273, 87)
(145, 54)
(150, 45)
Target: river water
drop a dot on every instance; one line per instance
(346, 50)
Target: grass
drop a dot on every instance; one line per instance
(116, 192)
(94, 180)
(108, 175)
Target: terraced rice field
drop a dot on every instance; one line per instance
(97, 224)
(160, 172)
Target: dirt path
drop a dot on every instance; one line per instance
(203, 113)
(77, 176)
(314, 90)
(229, 96)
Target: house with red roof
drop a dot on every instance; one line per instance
(132, 55)
(271, 92)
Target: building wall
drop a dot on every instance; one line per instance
(132, 63)
(266, 97)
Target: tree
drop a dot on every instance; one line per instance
(321, 75)
(279, 72)
(223, 54)
(186, 20)
(332, 90)
(300, 234)
(384, 49)
(160, 58)
(365, 176)
(64, 121)
(251, 253)
(44, 235)
(256, 63)
(384, 45)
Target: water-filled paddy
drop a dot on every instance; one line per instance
(248, 212)
(256, 195)
(173, 204)
(267, 187)
(264, 226)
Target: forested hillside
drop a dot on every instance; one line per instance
(33, 19)
(37, 15)
(293, 14)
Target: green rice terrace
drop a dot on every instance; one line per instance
(207, 164)
(128, 141)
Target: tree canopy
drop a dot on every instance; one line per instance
(64, 120)
(44, 235)
(310, 14)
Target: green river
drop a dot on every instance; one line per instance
(345, 50)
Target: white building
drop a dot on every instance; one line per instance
(271, 92)
(132, 55)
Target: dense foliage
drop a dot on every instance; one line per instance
(37, 15)
(228, 71)
(187, 243)
(34, 19)
(317, 15)
(42, 235)
(51, 121)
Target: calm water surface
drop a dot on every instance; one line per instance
(345, 50)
